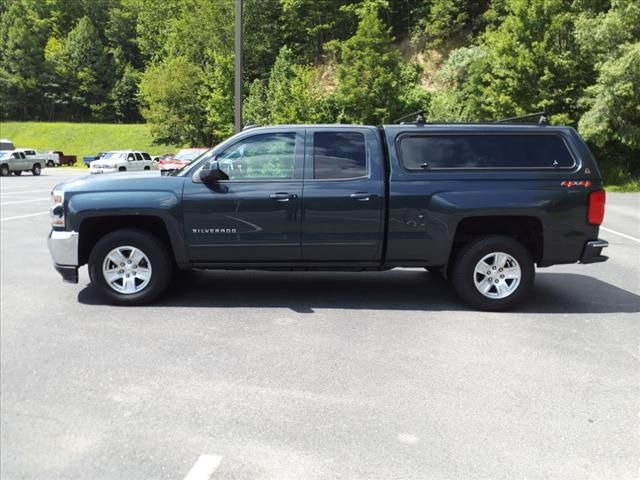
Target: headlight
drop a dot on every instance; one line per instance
(57, 208)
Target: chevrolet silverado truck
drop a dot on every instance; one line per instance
(482, 204)
(48, 159)
(16, 162)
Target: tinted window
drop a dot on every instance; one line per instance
(260, 157)
(138, 156)
(339, 155)
(146, 156)
(484, 151)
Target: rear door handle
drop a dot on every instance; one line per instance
(361, 196)
(281, 196)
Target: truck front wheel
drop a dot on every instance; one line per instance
(493, 273)
(130, 267)
(4, 170)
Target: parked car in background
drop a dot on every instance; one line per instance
(48, 159)
(88, 159)
(122, 161)
(65, 160)
(182, 158)
(16, 162)
(6, 145)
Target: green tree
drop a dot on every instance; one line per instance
(123, 97)
(21, 62)
(368, 72)
(219, 97)
(85, 68)
(171, 92)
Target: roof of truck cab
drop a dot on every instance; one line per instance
(465, 127)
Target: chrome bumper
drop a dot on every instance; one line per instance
(592, 252)
(63, 247)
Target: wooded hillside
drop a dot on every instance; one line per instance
(363, 61)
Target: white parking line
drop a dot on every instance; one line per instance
(26, 191)
(6, 219)
(621, 234)
(204, 467)
(25, 201)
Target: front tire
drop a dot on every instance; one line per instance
(4, 171)
(130, 267)
(493, 273)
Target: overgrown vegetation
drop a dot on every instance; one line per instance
(362, 61)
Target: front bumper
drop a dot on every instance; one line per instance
(63, 247)
(94, 170)
(592, 252)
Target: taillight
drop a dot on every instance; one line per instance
(596, 207)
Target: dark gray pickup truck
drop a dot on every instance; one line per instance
(482, 204)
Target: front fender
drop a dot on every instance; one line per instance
(164, 205)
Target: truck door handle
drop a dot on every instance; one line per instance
(361, 196)
(281, 196)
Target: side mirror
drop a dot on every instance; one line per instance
(211, 173)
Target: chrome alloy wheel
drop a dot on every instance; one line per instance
(497, 275)
(126, 270)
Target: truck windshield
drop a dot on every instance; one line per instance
(114, 156)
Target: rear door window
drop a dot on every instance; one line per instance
(339, 155)
(420, 152)
(146, 156)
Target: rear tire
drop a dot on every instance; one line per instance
(122, 169)
(50, 163)
(36, 170)
(493, 273)
(139, 252)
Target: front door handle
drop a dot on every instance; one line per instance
(281, 196)
(361, 196)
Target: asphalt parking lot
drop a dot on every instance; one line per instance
(316, 375)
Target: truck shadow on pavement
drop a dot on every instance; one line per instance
(302, 292)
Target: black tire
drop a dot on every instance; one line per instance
(4, 171)
(463, 276)
(154, 249)
(36, 170)
(50, 163)
(147, 168)
(122, 169)
(17, 173)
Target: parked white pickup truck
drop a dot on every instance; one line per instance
(122, 161)
(48, 159)
(16, 162)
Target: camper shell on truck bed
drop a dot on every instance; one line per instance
(480, 203)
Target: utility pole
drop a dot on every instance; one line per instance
(238, 67)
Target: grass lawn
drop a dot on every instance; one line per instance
(82, 139)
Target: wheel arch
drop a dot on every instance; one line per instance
(528, 230)
(91, 229)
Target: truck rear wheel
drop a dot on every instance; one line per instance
(36, 169)
(130, 267)
(493, 273)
